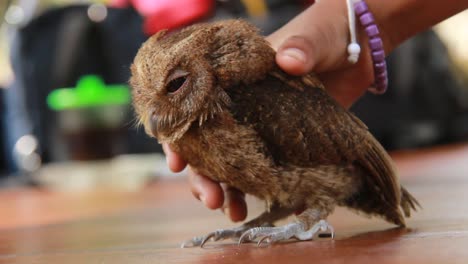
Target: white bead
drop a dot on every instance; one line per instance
(354, 48)
(353, 58)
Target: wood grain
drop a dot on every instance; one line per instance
(146, 227)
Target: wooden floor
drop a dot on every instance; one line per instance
(147, 227)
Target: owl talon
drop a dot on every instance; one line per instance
(244, 238)
(194, 242)
(199, 241)
(252, 233)
(266, 239)
(211, 236)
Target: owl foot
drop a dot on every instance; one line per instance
(265, 220)
(217, 235)
(269, 235)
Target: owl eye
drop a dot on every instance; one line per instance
(175, 84)
(176, 80)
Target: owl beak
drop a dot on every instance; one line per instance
(153, 125)
(165, 131)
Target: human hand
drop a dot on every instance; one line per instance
(213, 194)
(316, 41)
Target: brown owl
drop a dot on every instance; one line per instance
(215, 95)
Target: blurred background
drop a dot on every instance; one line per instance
(66, 119)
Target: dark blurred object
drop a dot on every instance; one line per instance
(424, 105)
(276, 14)
(57, 48)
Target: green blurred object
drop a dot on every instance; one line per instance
(91, 118)
(90, 91)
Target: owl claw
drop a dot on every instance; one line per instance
(199, 241)
(252, 233)
(196, 241)
(266, 239)
(220, 234)
(208, 237)
(244, 238)
(266, 234)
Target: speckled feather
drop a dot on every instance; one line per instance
(237, 118)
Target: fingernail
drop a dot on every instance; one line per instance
(294, 53)
(167, 161)
(227, 212)
(202, 199)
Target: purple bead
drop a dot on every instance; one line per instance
(376, 43)
(367, 19)
(378, 56)
(372, 31)
(360, 8)
(380, 67)
(380, 77)
(385, 84)
(381, 87)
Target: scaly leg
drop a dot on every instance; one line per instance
(307, 225)
(264, 220)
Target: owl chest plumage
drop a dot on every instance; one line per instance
(227, 151)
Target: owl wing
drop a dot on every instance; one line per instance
(303, 126)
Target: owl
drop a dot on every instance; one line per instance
(214, 93)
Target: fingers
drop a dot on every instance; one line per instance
(235, 206)
(203, 188)
(206, 190)
(214, 196)
(174, 161)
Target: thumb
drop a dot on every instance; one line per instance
(174, 161)
(298, 55)
(314, 40)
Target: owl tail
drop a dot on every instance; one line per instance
(365, 202)
(408, 202)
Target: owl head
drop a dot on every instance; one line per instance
(180, 79)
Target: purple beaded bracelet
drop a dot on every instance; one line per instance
(376, 45)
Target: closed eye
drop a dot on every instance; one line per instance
(174, 85)
(176, 81)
